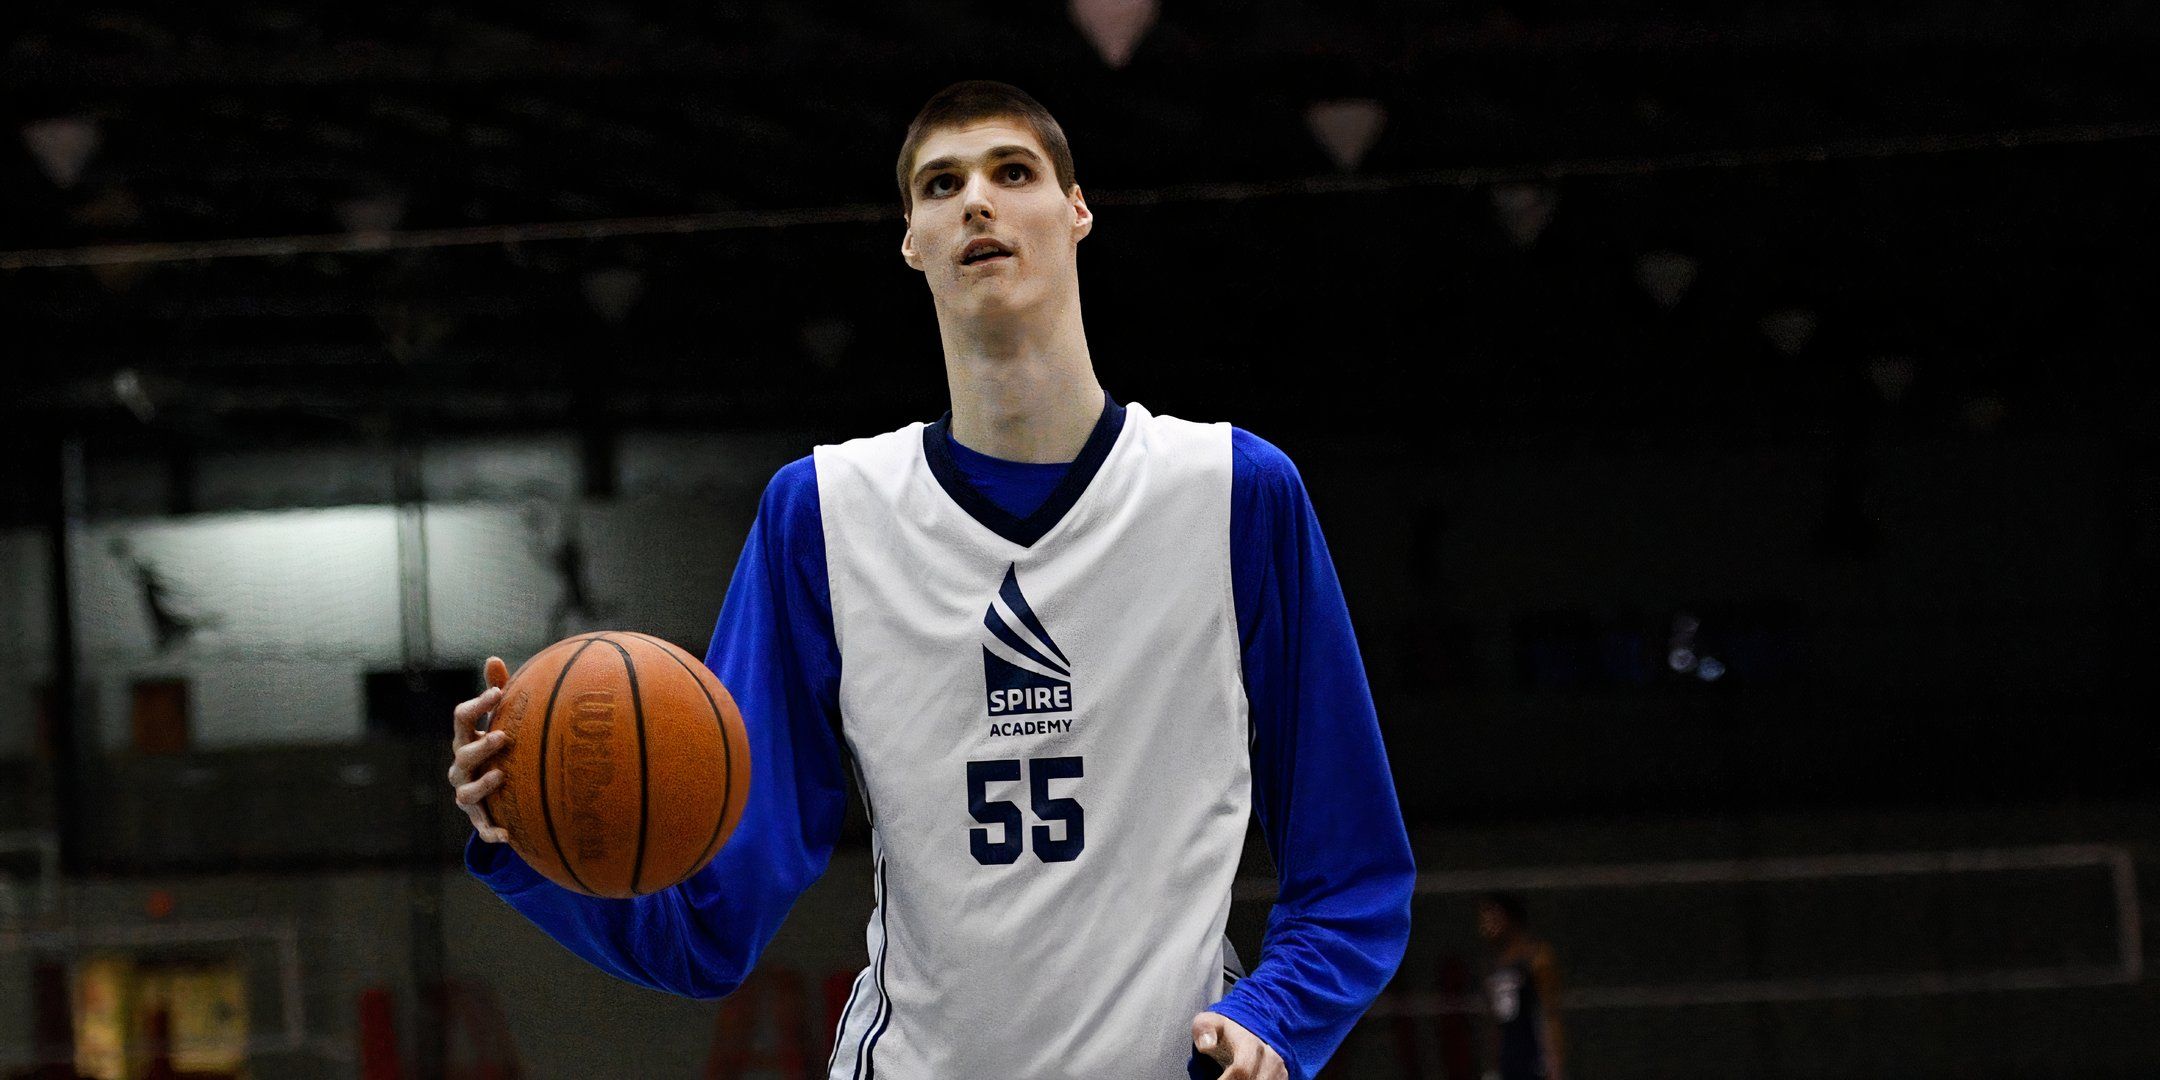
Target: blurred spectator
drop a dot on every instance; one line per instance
(1523, 992)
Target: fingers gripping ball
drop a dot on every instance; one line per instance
(627, 767)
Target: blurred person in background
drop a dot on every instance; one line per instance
(1523, 993)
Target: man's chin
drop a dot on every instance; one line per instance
(977, 302)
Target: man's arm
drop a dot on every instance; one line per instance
(1325, 797)
(773, 648)
(1545, 975)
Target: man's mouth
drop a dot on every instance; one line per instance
(982, 250)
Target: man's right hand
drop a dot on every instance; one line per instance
(470, 749)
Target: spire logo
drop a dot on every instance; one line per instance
(1024, 672)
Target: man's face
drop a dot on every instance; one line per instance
(989, 229)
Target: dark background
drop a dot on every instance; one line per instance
(1953, 199)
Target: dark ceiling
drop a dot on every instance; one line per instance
(1939, 210)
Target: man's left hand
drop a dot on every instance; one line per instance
(1240, 1052)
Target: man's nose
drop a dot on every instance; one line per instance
(977, 203)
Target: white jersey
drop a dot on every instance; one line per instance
(1051, 735)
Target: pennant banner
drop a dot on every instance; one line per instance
(1346, 129)
(614, 291)
(62, 147)
(1789, 329)
(372, 214)
(1666, 276)
(1524, 210)
(1114, 27)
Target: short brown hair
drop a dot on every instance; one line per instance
(981, 99)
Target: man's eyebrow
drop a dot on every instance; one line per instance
(949, 161)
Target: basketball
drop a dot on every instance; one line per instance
(627, 767)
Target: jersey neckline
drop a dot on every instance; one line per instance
(1024, 531)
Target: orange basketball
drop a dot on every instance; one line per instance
(627, 766)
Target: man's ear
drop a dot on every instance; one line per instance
(1083, 218)
(907, 247)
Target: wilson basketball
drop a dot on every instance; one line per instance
(627, 766)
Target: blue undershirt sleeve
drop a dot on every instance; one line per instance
(774, 650)
(1321, 785)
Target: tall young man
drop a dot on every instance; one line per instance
(1068, 647)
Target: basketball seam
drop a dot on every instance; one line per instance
(487, 814)
(644, 779)
(529, 660)
(547, 723)
(727, 749)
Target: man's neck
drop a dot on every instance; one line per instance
(1022, 391)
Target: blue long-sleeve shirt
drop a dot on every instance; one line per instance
(1321, 785)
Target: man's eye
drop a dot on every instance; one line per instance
(1022, 170)
(935, 186)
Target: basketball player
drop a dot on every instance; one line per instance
(1523, 992)
(1067, 647)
